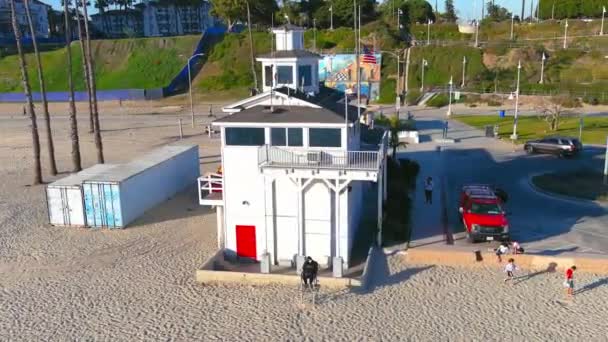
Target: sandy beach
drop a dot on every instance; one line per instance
(137, 284)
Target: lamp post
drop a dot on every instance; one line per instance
(514, 135)
(399, 13)
(512, 23)
(476, 33)
(398, 86)
(603, 17)
(190, 85)
(424, 64)
(542, 69)
(314, 34)
(450, 97)
(428, 32)
(566, 35)
(464, 68)
(331, 17)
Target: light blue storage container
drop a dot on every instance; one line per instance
(116, 198)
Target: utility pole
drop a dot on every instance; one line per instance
(464, 68)
(566, 35)
(542, 69)
(514, 135)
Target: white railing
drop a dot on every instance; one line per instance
(272, 156)
(210, 183)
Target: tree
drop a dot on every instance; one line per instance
(45, 103)
(551, 110)
(497, 13)
(394, 127)
(450, 11)
(28, 95)
(343, 12)
(84, 65)
(76, 162)
(232, 11)
(93, 89)
(415, 11)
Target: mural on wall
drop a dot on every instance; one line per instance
(338, 72)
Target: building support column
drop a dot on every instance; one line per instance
(380, 186)
(300, 192)
(384, 179)
(337, 262)
(219, 213)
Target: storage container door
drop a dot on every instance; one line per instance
(91, 204)
(74, 209)
(56, 207)
(111, 202)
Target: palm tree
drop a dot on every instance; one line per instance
(45, 103)
(93, 84)
(77, 164)
(394, 127)
(85, 66)
(28, 96)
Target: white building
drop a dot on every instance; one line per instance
(39, 12)
(294, 174)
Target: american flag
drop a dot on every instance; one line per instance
(368, 56)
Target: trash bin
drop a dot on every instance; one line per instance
(478, 256)
(501, 113)
(489, 131)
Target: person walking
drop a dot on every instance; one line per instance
(510, 267)
(428, 190)
(569, 281)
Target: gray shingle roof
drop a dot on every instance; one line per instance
(290, 114)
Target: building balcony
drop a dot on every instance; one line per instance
(355, 165)
(211, 189)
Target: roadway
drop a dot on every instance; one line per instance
(541, 223)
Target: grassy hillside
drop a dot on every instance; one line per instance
(120, 64)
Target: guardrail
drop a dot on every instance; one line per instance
(209, 184)
(272, 156)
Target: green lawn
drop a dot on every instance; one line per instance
(584, 184)
(532, 127)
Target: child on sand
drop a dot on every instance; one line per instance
(569, 281)
(501, 250)
(510, 267)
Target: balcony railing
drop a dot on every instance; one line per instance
(210, 188)
(272, 156)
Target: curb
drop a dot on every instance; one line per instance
(560, 197)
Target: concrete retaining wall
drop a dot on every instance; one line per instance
(455, 256)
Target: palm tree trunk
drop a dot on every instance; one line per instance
(28, 96)
(93, 83)
(77, 164)
(45, 103)
(85, 68)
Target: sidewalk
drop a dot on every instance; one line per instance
(427, 224)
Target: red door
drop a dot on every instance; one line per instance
(245, 242)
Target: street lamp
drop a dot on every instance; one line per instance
(512, 23)
(424, 64)
(190, 85)
(464, 68)
(399, 13)
(566, 35)
(514, 135)
(428, 32)
(450, 97)
(542, 69)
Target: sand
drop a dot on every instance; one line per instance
(59, 284)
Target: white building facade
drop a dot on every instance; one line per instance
(294, 174)
(39, 12)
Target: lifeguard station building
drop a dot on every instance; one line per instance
(293, 169)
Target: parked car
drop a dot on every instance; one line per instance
(561, 146)
(482, 212)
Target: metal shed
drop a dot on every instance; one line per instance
(65, 200)
(115, 198)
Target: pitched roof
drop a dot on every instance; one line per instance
(290, 54)
(289, 27)
(331, 111)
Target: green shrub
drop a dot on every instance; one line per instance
(439, 100)
(592, 100)
(412, 97)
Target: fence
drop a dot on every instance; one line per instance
(102, 95)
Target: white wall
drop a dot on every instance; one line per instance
(243, 182)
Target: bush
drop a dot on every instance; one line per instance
(592, 100)
(401, 178)
(439, 100)
(412, 97)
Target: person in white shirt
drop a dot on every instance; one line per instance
(510, 267)
(502, 250)
(428, 190)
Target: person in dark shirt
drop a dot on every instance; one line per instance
(309, 271)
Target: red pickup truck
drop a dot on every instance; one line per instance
(482, 213)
